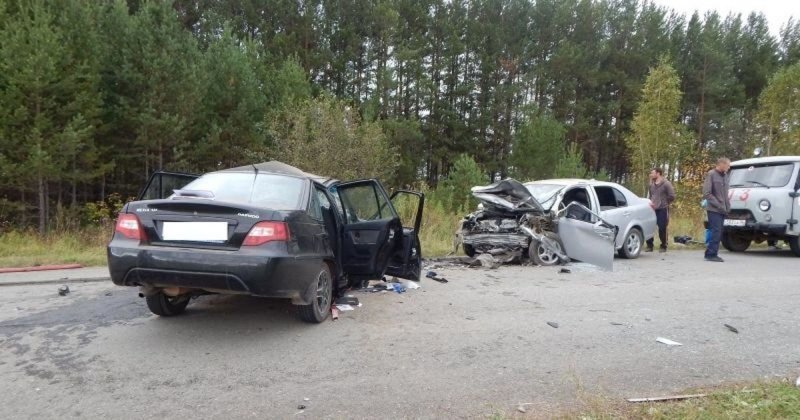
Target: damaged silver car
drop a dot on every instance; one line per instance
(511, 224)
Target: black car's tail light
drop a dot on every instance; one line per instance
(264, 232)
(128, 225)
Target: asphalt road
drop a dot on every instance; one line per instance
(474, 347)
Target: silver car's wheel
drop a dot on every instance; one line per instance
(541, 255)
(633, 244)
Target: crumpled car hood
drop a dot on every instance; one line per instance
(508, 194)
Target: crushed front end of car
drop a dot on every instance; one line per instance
(510, 225)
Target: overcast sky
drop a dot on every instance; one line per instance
(777, 11)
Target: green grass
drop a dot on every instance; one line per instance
(767, 400)
(85, 246)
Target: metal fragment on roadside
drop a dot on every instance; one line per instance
(552, 324)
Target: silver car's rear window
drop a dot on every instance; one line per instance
(762, 176)
(276, 192)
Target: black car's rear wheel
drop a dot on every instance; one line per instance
(163, 305)
(735, 242)
(319, 309)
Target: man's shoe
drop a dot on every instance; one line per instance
(714, 259)
(662, 250)
(648, 249)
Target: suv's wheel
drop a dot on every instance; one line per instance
(794, 243)
(163, 305)
(735, 243)
(632, 246)
(541, 255)
(319, 309)
(469, 250)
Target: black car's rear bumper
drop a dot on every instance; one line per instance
(258, 272)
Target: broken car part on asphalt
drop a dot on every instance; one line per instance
(668, 342)
(510, 224)
(667, 398)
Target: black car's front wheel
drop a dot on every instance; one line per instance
(163, 305)
(319, 309)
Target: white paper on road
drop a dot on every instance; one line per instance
(195, 231)
(668, 342)
(344, 307)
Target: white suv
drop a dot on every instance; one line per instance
(765, 203)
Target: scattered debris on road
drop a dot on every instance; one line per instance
(668, 342)
(521, 407)
(552, 324)
(667, 398)
(565, 271)
(63, 290)
(731, 328)
(617, 323)
(347, 300)
(334, 313)
(435, 277)
(345, 307)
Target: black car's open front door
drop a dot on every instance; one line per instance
(162, 184)
(372, 230)
(407, 261)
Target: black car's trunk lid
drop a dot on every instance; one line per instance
(198, 223)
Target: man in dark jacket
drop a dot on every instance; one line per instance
(661, 194)
(715, 197)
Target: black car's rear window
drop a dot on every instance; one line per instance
(276, 192)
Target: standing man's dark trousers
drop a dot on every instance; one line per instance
(662, 220)
(715, 221)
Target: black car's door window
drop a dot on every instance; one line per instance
(372, 231)
(163, 184)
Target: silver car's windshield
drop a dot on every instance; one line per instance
(762, 176)
(276, 192)
(545, 194)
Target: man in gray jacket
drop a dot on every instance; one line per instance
(661, 194)
(715, 195)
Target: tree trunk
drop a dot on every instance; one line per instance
(42, 208)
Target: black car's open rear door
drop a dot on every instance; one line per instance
(407, 261)
(162, 184)
(372, 231)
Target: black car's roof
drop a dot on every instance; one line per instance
(280, 168)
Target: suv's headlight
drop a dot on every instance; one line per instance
(764, 205)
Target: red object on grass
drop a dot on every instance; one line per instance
(39, 268)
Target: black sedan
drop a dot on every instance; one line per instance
(267, 230)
